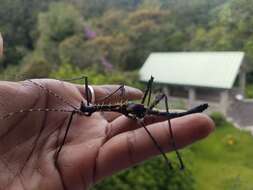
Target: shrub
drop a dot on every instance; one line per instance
(152, 175)
(35, 66)
(218, 118)
(67, 71)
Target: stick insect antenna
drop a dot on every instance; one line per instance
(34, 110)
(53, 93)
(73, 79)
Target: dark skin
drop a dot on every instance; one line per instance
(96, 146)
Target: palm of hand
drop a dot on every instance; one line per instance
(36, 136)
(95, 146)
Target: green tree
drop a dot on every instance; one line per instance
(96, 8)
(216, 39)
(68, 71)
(17, 24)
(35, 66)
(111, 22)
(114, 48)
(54, 26)
(59, 22)
(78, 52)
(149, 29)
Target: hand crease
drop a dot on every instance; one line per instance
(131, 141)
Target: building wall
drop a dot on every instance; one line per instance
(218, 99)
(204, 94)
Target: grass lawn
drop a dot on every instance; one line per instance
(223, 161)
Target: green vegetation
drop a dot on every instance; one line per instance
(118, 34)
(67, 71)
(109, 40)
(223, 161)
(219, 119)
(249, 91)
(152, 175)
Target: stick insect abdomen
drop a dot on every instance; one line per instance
(171, 115)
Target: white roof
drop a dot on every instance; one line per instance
(203, 69)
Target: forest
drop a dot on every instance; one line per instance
(112, 36)
(109, 40)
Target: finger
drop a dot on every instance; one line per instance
(111, 116)
(122, 124)
(103, 91)
(132, 147)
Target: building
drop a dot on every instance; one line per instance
(198, 77)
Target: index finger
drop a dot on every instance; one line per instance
(115, 95)
(135, 146)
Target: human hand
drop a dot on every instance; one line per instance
(96, 146)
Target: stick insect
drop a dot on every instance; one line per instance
(139, 111)
(134, 111)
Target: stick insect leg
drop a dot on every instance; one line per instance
(121, 88)
(57, 153)
(87, 94)
(154, 103)
(148, 91)
(123, 95)
(157, 145)
(172, 136)
(165, 98)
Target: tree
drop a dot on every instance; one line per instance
(114, 48)
(96, 8)
(216, 39)
(54, 26)
(17, 24)
(36, 66)
(110, 23)
(78, 52)
(148, 31)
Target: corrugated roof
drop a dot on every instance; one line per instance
(204, 69)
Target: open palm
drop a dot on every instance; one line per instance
(96, 146)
